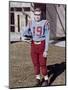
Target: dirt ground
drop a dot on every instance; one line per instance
(21, 72)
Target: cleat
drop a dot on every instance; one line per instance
(44, 83)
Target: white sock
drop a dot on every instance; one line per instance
(38, 76)
(46, 77)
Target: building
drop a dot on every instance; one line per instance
(20, 12)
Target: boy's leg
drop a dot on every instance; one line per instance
(43, 66)
(43, 61)
(35, 60)
(36, 64)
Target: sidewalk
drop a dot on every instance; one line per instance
(60, 44)
(15, 36)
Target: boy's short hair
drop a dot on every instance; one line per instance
(37, 10)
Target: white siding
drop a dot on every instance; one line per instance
(19, 4)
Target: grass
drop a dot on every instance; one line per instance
(21, 72)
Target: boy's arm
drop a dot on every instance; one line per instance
(47, 35)
(27, 31)
(47, 32)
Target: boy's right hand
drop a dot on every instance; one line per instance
(45, 53)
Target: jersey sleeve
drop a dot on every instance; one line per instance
(47, 35)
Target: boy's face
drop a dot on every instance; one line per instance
(37, 16)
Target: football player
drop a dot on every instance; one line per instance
(38, 30)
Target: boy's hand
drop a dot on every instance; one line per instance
(45, 53)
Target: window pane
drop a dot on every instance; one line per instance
(12, 28)
(26, 9)
(11, 9)
(18, 9)
(11, 18)
(18, 23)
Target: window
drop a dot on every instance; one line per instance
(12, 22)
(11, 9)
(12, 28)
(26, 18)
(26, 8)
(11, 18)
(18, 9)
(18, 17)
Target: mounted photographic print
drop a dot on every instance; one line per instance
(37, 37)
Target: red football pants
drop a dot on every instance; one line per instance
(38, 60)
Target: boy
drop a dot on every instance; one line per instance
(38, 31)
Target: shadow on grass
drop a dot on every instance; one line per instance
(55, 70)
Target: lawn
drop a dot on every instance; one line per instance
(21, 72)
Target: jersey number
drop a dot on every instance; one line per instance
(37, 31)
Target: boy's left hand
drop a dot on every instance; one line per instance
(45, 53)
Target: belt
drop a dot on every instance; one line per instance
(37, 42)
